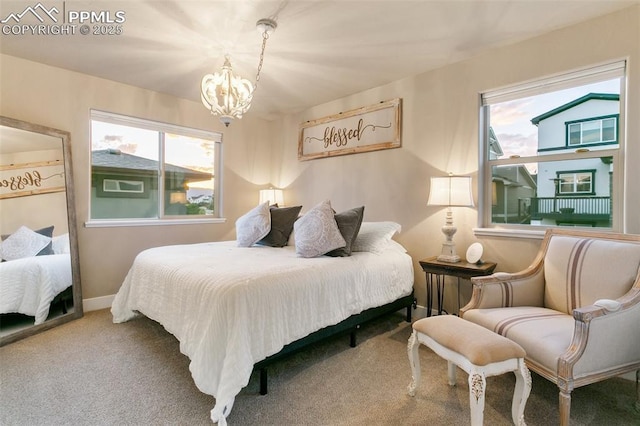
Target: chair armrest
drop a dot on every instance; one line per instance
(604, 339)
(607, 306)
(500, 290)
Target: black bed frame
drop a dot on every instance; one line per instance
(349, 325)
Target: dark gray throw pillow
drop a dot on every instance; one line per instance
(282, 219)
(349, 224)
(47, 232)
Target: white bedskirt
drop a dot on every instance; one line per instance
(231, 307)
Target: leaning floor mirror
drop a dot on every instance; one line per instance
(39, 272)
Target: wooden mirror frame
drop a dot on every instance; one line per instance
(65, 138)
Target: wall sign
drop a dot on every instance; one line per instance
(360, 130)
(20, 180)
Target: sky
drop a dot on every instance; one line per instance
(184, 151)
(511, 121)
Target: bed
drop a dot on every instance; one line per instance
(29, 285)
(35, 269)
(232, 308)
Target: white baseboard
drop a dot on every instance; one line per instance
(97, 303)
(419, 312)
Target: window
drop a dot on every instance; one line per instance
(123, 186)
(602, 130)
(575, 183)
(145, 170)
(551, 151)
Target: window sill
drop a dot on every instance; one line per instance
(509, 233)
(112, 223)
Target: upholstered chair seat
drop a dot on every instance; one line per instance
(529, 326)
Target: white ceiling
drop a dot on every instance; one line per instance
(322, 50)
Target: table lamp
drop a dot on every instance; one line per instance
(273, 196)
(450, 191)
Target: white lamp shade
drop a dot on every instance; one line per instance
(272, 195)
(450, 191)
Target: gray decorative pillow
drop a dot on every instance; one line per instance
(23, 243)
(349, 224)
(253, 225)
(282, 219)
(317, 233)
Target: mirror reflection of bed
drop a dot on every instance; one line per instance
(38, 272)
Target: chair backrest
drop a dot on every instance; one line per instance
(582, 268)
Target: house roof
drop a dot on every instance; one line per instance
(115, 160)
(509, 175)
(585, 98)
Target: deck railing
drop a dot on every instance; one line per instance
(575, 205)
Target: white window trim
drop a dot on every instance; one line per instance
(116, 223)
(555, 82)
(155, 126)
(124, 120)
(610, 70)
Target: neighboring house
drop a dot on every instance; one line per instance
(512, 191)
(576, 192)
(126, 186)
(512, 188)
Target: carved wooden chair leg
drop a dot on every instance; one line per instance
(477, 386)
(451, 372)
(565, 407)
(414, 361)
(520, 393)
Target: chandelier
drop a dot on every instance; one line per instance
(228, 95)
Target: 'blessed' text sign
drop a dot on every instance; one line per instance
(365, 129)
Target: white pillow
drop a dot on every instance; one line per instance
(375, 236)
(23, 243)
(317, 232)
(61, 244)
(253, 225)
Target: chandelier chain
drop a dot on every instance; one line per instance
(265, 37)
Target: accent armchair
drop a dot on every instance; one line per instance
(575, 310)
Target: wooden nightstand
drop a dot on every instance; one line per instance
(437, 270)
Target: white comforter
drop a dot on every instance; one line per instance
(28, 285)
(231, 307)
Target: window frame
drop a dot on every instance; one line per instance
(556, 82)
(123, 191)
(162, 129)
(575, 173)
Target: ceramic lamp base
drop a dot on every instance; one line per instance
(448, 253)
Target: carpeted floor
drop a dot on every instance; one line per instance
(94, 372)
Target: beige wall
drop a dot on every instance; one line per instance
(62, 99)
(440, 133)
